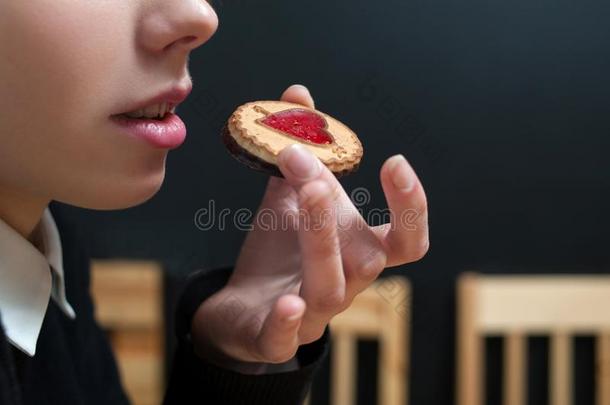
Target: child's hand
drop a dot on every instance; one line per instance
(292, 277)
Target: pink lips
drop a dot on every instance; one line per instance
(167, 133)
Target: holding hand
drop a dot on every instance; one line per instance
(292, 278)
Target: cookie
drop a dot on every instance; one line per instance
(258, 131)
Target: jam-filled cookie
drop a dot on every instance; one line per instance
(257, 132)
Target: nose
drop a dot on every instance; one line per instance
(177, 25)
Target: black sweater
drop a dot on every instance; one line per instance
(74, 365)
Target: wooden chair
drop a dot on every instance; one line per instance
(514, 306)
(129, 306)
(381, 312)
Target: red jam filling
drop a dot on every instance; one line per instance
(300, 123)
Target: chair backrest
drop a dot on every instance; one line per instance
(128, 298)
(515, 306)
(381, 312)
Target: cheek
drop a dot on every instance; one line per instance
(63, 68)
(51, 68)
(58, 52)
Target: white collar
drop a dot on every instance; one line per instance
(26, 283)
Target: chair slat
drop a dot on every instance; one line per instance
(603, 369)
(515, 353)
(344, 368)
(394, 344)
(128, 294)
(381, 312)
(541, 304)
(560, 369)
(470, 344)
(559, 306)
(129, 306)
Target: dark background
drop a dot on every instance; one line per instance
(503, 108)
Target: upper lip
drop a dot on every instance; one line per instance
(174, 96)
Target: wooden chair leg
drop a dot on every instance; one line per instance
(561, 368)
(394, 347)
(140, 365)
(603, 369)
(470, 345)
(343, 368)
(515, 376)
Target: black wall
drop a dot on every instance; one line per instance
(502, 107)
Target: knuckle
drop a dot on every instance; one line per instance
(251, 347)
(249, 339)
(329, 302)
(369, 268)
(325, 242)
(314, 194)
(346, 304)
(418, 252)
(281, 356)
(326, 233)
(345, 239)
(325, 226)
(335, 192)
(318, 220)
(312, 336)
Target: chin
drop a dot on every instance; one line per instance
(116, 195)
(126, 199)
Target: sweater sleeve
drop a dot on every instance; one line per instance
(193, 379)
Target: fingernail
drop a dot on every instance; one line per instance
(301, 163)
(300, 86)
(401, 173)
(294, 318)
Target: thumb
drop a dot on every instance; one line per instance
(299, 94)
(278, 340)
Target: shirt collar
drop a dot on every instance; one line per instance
(28, 278)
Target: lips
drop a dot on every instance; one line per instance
(156, 111)
(154, 120)
(159, 105)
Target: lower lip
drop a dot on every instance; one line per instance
(168, 133)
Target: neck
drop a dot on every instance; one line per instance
(22, 212)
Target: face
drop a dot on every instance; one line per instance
(69, 71)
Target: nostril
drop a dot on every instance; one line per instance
(186, 41)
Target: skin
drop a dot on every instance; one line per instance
(71, 64)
